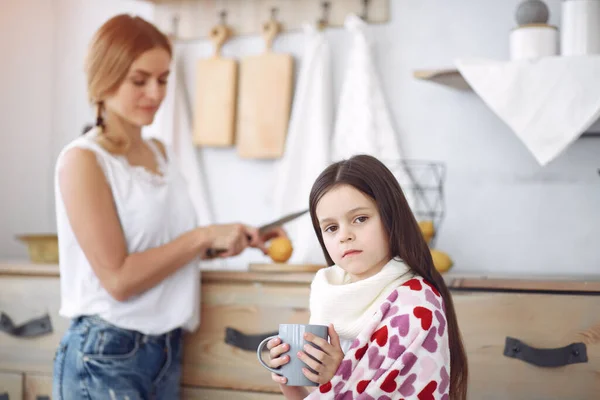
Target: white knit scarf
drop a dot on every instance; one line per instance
(350, 305)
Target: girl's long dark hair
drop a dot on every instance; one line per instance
(373, 178)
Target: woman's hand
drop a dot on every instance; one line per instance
(276, 360)
(273, 233)
(258, 241)
(328, 360)
(233, 238)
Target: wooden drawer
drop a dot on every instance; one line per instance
(540, 321)
(217, 394)
(24, 298)
(252, 309)
(38, 387)
(11, 385)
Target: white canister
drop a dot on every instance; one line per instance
(533, 41)
(580, 27)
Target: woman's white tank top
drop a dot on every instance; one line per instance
(153, 210)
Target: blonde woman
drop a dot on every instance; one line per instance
(129, 242)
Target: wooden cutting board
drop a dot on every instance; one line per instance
(282, 267)
(215, 104)
(265, 96)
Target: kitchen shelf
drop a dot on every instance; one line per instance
(521, 83)
(448, 76)
(452, 77)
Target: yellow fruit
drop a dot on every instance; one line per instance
(441, 261)
(280, 249)
(427, 230)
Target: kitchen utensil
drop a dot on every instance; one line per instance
(216, 86)
(293, 335)
(210, 253)
(265, 95)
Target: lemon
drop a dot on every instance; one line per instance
(441, 261)
(427, 230)
(280, 249)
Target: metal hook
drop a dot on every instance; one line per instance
(223, 17)
(175, 25)
(274, 11)
(325, 16)
(365, 10)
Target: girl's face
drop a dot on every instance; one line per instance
(353, 232)
(137, 99)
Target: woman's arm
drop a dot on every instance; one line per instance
(91, 212)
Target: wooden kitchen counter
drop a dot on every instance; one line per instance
(249, 303)
(590, 283)
(543, 312)
(25, 268)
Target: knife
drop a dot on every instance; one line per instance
(211, 253)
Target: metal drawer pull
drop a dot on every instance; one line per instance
(42, 398)
(32, 328)
(243, 341)
(572, 354)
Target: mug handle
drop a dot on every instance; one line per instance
(259, 355)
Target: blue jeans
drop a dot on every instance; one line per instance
(97, 360)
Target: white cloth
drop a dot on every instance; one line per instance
(173, 126)
(153, 210)
(346, 344)
(548, 102)
(363, 124)
(307, 146)
(349, 306)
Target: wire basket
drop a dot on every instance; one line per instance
(423, 185)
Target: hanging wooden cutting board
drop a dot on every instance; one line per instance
(215, 104)
(265, 96)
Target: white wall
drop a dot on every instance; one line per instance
(27, 30)
(505, 214)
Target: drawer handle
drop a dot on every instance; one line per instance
(245, 342)
(32, 328)
(572, 354)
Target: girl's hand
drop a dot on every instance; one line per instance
(276, 360)
(329, 359)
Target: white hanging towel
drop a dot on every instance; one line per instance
(363, 124)
(307, 146)
(172, 125)
(548, 102)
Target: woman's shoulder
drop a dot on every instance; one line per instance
(87, 141)
(83, 152)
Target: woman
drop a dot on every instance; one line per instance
(129, 242)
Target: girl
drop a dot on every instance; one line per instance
(128, 236)
(392, 324)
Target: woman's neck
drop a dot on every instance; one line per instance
(117, 127)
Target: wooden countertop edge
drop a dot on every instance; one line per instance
(454, 281)
(21, 268)
(527, 284)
